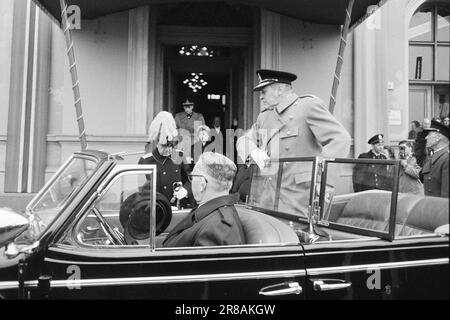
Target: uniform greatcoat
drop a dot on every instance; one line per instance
(298, 126)
(214, 223)
(189, 123)
(167, 173)
(371, 176)
(435, 174)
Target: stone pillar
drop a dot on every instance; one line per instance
(138, 70)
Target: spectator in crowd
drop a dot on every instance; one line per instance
(415, 127)
(371, 176)
(189, 120)
(171, 179)
(420, 150)
(215, 221)
(446, 121)
(409, 181)
(218, 135)
(435, 170)
(203, 143)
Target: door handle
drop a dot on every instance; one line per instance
(281, 289)
(330, 284)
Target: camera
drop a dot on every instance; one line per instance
(402, 153)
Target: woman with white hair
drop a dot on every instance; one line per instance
(171, 178)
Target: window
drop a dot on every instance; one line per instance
(125, 205)
(429, 68)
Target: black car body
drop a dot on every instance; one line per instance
(376, 244)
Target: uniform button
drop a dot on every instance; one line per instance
(176, 170)
(288, 132)
(287, 148)
(165, 187)
(164, 173)
(291, 117)
(270, 179)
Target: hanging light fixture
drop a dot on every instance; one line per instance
(195, 82)
(195, 50)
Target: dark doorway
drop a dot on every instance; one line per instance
(210, 76)
(210, 100)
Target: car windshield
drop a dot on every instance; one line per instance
(55, 195)
(283, 187)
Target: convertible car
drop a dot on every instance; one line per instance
(316, 240)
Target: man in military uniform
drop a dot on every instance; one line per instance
(371, 176)
(435, 170)
(215, 221)
(189, 120)
(163, 135)
(288, 126)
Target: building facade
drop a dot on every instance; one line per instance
(135, 63)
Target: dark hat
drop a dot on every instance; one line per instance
(438, 127)
(135, 214)
(267, 77)
(376, 139)
(187, 103)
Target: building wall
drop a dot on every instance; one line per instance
(381, 74)
(310, 51)
(101, 50)
(6, 23)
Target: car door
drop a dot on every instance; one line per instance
(89, 259)
(376, 244)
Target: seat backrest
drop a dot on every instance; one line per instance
(427, 214)
(260, 228)
(368, 209)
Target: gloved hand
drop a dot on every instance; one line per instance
(260, 157)
(179, 193)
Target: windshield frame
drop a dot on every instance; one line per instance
(35, 227)
(389, 235)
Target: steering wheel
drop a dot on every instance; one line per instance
(135, 216)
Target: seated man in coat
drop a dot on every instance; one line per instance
(215, 221)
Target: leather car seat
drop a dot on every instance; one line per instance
(425, 216)
(260, 228)
(368, 209)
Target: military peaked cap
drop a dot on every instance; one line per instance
(267, 77)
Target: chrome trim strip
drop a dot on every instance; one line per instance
(379, 266)
(202, 259)
(373, 250)
(225, 276)
(160, 280)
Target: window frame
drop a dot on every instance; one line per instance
(434, 44)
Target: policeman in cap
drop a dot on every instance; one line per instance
(288, 126)
(373, 176)
(435, 173)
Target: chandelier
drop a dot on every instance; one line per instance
(195, 82)
(196, 50)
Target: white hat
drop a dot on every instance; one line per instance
(163, 128)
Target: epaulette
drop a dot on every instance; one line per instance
(147, 155)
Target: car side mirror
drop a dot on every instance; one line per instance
(12, 224)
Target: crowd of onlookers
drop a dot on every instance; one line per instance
(423, 159)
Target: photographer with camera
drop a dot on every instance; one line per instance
(409, 181)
